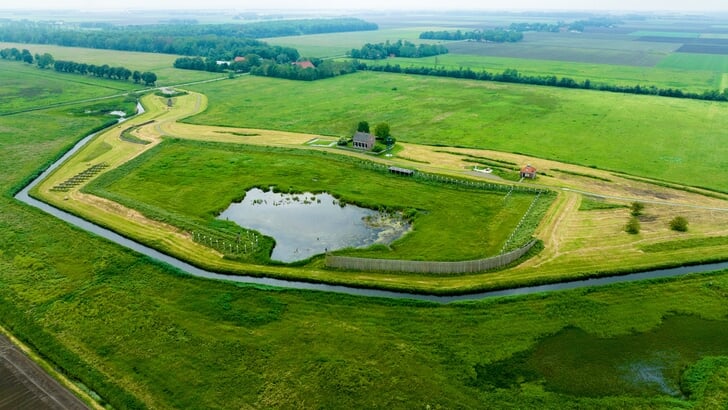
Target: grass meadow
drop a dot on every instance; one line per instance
(573, 47)
(696, 62)
(24, 87)
(688, 76)
(141, 335)
(338, 44)
(664, 138)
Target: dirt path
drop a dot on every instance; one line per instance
(649, 201)
(25, 385)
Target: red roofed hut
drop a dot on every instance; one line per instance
(528, 172)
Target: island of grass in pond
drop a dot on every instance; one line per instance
(304, 225)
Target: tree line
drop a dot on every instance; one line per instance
(105, 71)
(513, 76)
(514, 32)
(497, 35)
(397, 49)
(296, 71)
(46, 60)
(578, 25)
(167, 39)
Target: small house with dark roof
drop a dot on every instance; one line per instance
(528, 172)
(363, 141)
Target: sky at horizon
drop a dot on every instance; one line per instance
(603, 5)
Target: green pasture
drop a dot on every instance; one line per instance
(668, 34)
(199, 180)
(338, 44)
(670, 139)
(23, 87)
(160, 64)
(685, 77)
(572, 47)
(142, 335)
(696, 62)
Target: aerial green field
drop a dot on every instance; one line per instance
(573, 47)
(23, 87)
(121, 325)
(669, 34)
(135, 333)
(338, 44)
(695, 74)
(664, 138)
(696, 62)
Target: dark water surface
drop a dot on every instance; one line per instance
(306, 224)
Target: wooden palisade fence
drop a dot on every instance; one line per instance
(393, 265)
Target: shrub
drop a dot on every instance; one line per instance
(379, 147)
(633, 226)
(637, 208)
(679, 223)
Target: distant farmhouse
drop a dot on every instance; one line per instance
(304, 64)
(363, 141)
(528, 172)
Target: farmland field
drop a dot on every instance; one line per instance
(565, 255)
(693, 75)
(679, 139)
(133, 332)
(337, 44)
(696, 62)
(24, 87)
(122, 324)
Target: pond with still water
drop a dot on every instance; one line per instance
(306, 224)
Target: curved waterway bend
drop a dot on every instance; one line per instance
(195, 271)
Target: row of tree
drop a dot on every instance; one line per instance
(42, 60)
(320, 70)
(398, 48)
(514, 32)
(46, 60)
(578, 25)
(200, 64)
(513, 76)
(105, 71)
(241, 64)
(168, 39)
(261, 29)
(498, 35)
